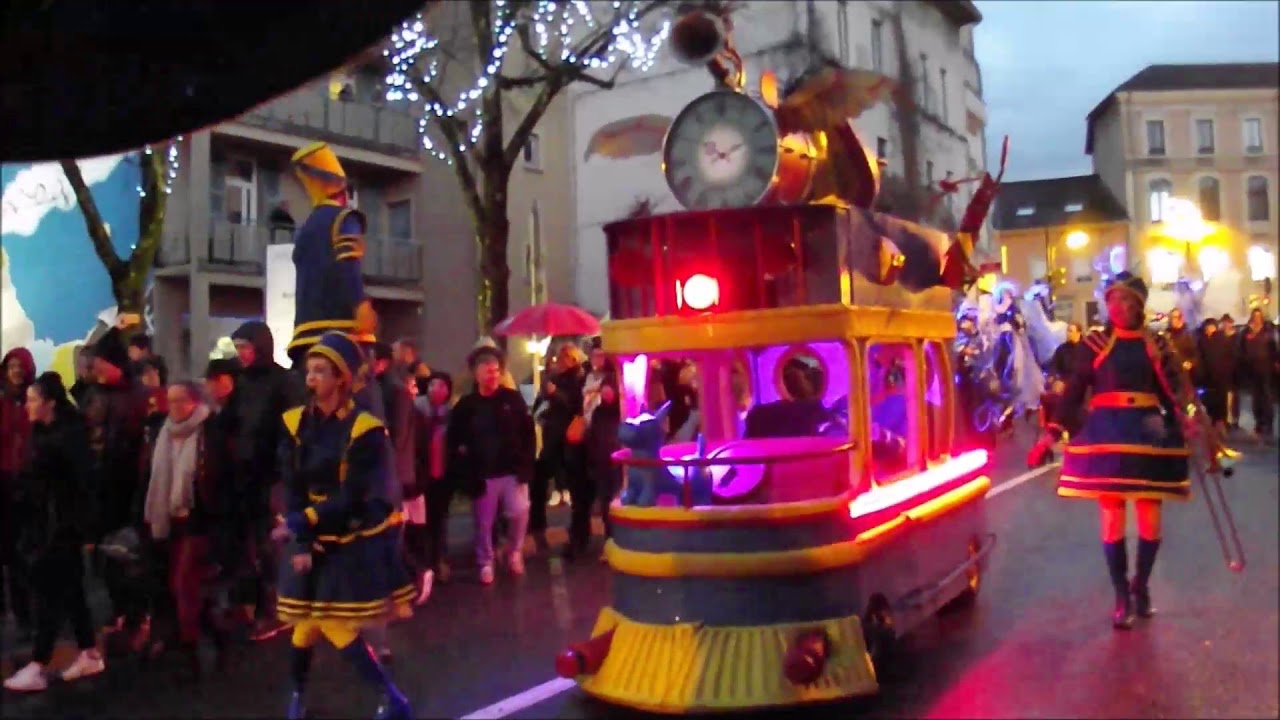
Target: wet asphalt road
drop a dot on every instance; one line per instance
(1037, 643)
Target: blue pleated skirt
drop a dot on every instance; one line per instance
(1116, 454)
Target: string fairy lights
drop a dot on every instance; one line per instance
(171, 167)
(562, 33)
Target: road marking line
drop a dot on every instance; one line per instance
(1024, 477)
(526, 699)
(551, 688)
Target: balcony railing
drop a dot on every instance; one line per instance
(311, 113)
(241, 249)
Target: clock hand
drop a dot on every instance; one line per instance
(730, 151)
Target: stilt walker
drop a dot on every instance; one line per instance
(344, 573)
(1132, 445)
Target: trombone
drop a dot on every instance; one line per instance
(1207, 466)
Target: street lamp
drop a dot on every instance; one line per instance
(1077, 239)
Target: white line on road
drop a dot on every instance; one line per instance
(516, 703)
(552, 688)
(1024, 477)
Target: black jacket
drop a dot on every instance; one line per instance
(263, 391)
(53, 489)
(115, 418)
(515, 441)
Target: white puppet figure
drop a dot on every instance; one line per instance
(1015, 360)
(1045, 333)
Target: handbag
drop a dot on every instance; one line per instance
(576, 431)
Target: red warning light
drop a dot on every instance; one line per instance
(699, 292)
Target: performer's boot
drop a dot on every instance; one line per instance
(299, 671)
(1146, 560)
(1041, 452)
(1118, 566)
(395, 706)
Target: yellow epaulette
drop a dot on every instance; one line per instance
(293, 420)
(364, 423)
(348, 246)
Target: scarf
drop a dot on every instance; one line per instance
(173, 471)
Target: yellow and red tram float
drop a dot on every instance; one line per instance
(809, 502)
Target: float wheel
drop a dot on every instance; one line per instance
(879, 635)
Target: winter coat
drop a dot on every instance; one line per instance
(116, 418)
(514, 440)
(53, 490)
(263, 391)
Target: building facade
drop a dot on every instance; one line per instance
(235, 195)
(1061, 230)
(1206, 134)
(930, 41)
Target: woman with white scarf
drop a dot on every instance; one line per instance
(184, 508)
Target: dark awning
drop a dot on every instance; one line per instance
(82, 78)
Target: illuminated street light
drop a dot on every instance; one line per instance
(1183, 221)
(1077, 239)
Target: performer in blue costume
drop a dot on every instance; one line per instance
(327, 253)
(1132, 443)
(345, 573)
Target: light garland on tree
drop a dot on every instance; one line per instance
(171, 167)
(553, 26)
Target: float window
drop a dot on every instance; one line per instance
(893, 381)
(937, 400)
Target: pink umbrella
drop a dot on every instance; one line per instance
(549, 319)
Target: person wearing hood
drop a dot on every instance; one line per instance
(263, 391)
(53, 487)
(19, 373)
(115, 410)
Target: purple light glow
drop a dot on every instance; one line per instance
(835, 361)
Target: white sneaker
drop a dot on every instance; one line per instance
(424, 590)
(486, 575)
(516, 563)
(29, 679)
(87, 664)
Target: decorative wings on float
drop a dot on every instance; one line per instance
(635, 136)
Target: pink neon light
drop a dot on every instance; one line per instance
(887, 496)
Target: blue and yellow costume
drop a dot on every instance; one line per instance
(1130, 445)
(327, 254)
(334, 471)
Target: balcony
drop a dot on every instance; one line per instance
(241, 249)
(311, 114)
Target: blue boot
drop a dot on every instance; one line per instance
(299, 670)
(394, 706)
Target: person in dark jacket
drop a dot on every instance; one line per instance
(54, 485)
(490, 443)
(263, 391)
(84, 375)
(140, 350)
(1183, 342)
(435, 407)
(602, 408)
(1227, 326)
(185, 508)
(15, 430)
(115, 411)
(1215, 369)
(1259, 358)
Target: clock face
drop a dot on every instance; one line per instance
(721, 152)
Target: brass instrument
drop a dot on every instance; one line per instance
(1206, 464)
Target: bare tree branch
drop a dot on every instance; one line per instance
(93, 222)
(453, 131)
(151, 211)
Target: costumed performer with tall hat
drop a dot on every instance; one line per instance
(1132, 444)
(327, 255)
(344, 573)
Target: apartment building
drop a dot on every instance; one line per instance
(235, 195)
(935, 45)
(1060, 229)
(1206, 134)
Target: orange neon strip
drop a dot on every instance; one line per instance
(885, 497)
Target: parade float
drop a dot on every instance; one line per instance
(822, 507)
